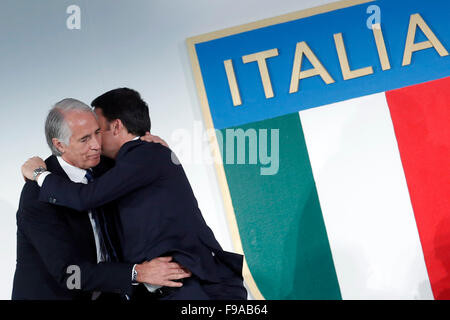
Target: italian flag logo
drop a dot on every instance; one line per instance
(334, 139)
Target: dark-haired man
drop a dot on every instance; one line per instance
(158, 211)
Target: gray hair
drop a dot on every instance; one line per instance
(56, 125)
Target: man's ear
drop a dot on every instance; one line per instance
(116, 126)
(60, 146)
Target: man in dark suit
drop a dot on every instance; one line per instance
(60, 255)
(158, 211)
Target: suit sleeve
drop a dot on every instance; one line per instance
(42, 225)
(125, 177)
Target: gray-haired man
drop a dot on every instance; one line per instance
(61, 255)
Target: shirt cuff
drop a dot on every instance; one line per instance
(150, 287)
(41, 178)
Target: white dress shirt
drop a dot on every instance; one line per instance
(78, 175)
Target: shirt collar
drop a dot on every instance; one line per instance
(74, 173)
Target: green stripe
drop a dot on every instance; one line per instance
(280, 220)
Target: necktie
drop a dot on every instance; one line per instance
(106, 245)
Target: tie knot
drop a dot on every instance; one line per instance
(89, 176)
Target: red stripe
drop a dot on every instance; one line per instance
(421, 118)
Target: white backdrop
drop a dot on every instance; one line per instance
(139, 44)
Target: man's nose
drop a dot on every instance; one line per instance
(96, 143)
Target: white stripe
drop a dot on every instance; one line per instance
(365, 201)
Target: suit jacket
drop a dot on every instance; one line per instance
(158, 212)
(51, 238)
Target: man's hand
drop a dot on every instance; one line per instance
(31, 165)
(151, 138)
(161, 272)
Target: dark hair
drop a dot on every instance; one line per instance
(127, 105)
